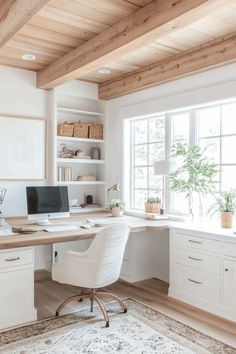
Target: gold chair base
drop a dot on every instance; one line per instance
(93, 296)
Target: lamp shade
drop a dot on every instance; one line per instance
(164, 167)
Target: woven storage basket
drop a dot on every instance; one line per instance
(96, 131)
(81, 130)
(65, 129)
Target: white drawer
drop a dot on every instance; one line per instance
(230, 249)
(197, 260)
(198, 283)
(199, 243)
(17, 257)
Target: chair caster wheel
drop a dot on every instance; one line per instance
(57, 313)
(107, 324)
(80, 300)
(125, 310)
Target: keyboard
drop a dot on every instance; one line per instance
(60, 228)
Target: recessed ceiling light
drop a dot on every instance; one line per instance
(104, 71)
(28, 57)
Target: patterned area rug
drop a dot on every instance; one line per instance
(142, 330)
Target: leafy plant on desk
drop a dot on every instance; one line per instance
(153, 200)
(194, 175)
(116, 203)
(225, 203)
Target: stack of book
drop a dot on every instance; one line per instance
(86, 178)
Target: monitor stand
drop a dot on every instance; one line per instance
(43, 222)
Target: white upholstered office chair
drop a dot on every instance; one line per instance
(97, 267)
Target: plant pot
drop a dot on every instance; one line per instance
(226, 219)
(152, 207)
(116, 211)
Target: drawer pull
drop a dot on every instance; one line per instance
(226, 269)
(198, 242)
(12, 259)
(195, 259)
(194, 281)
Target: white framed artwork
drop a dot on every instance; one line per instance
(22, 148)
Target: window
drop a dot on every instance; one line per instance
(147, 146)
(212, 127)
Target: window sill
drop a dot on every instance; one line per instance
(142, 214)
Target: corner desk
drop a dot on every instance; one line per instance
(202, 262)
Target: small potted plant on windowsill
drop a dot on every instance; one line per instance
(117, 207)
(153, 205)
(226, 205)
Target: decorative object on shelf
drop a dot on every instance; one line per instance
(5, 229)
(65, 129)
(115, 187)
(226, 205)
(68, 173)
(81, 130)
(66, 152)
(82, 157)
(86, 178)
(117, 207)
(73, 202)
(153, 205)
(89, 199)
(163, 168)
(96, 131)
(194, 176)
(95, 153)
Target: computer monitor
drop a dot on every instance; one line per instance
(47, 202)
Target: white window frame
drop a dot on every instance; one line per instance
(193, 140)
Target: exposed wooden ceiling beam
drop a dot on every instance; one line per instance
(14, 14)
(143, 26)
(212, 54)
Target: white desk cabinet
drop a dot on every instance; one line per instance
(17, 287)
(203, 271)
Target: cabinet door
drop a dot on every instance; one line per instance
(230, 284)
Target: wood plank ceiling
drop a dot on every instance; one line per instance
(58, 27)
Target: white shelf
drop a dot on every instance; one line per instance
(78, 111)
(81, 140)
(79, 183)
(85, 210)
(85, 161)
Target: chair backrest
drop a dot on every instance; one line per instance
(105, 254)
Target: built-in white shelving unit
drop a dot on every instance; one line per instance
(78, 111)
(73, 105)
(79, 140)
(81, 183)
(77, 161)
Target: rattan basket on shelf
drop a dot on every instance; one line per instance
(81, 130)
(96, 131)
(65, 129)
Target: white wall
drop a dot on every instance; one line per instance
(19, 97)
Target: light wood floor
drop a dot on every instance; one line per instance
(153, 292)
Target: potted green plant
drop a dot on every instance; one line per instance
(226, 205)
(195, 174)
(153, 205)
(117, 207)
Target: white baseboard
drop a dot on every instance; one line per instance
(18, 319)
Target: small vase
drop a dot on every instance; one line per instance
(226, 219)
(116, 211)
(152, 207)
